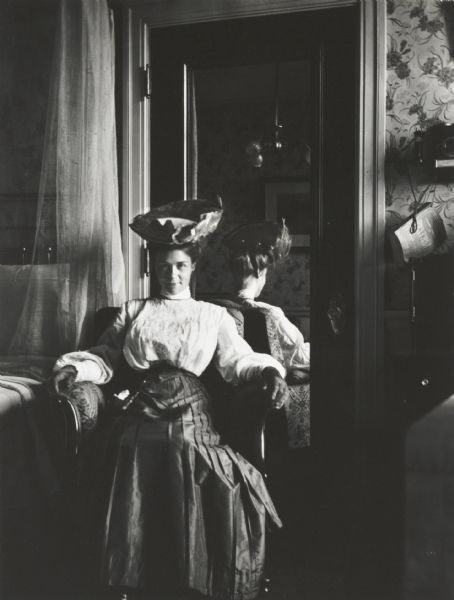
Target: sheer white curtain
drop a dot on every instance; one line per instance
(78, 196)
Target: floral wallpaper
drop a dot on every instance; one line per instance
(419, 93)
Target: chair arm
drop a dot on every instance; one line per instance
(246, 431)
(78, 413)
(69, 425)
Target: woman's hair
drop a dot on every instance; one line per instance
(256, 246)
(194, 251)
(245, 264)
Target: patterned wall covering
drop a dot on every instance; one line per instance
(223, 132)
(420, 92)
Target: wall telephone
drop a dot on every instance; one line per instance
(435, 146)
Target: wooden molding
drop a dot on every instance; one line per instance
(370, 217)
(165, 13)
(136, 143)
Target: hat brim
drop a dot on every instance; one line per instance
(178, 223)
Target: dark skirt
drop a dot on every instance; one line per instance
(178, 508)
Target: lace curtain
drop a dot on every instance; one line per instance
(77, 218)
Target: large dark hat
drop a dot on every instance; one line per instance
(272, 239)
(178, 223)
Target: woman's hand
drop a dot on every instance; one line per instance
(62, 380)
(275, 387)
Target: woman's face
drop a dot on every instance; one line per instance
(173, 269)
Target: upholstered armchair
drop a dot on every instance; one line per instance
(240, 413)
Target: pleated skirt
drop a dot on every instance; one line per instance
(172, 508)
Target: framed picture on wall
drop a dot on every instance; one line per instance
(291, 200)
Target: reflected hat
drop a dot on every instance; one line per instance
(178, 223)
(272, 239)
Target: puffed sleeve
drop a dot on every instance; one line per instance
(235, 359)
(98, 363)
(296, 351)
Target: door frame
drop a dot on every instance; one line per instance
(138, 19)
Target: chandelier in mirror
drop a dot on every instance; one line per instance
(273, 140)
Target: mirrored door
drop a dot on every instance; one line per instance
(261, 112)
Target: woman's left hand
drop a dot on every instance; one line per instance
(274, 387)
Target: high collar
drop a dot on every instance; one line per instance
(184, 295)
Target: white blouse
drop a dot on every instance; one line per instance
(184, 333)
(296, 352)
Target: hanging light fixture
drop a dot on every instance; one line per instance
(276, 141)
(271, 140)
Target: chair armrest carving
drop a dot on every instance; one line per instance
(79, 412)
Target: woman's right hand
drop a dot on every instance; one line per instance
(274, 387)
(62, 380)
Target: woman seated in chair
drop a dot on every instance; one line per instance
(254, 249)
(178, 509)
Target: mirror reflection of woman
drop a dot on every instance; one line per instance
(254, 249)
(172, 507)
